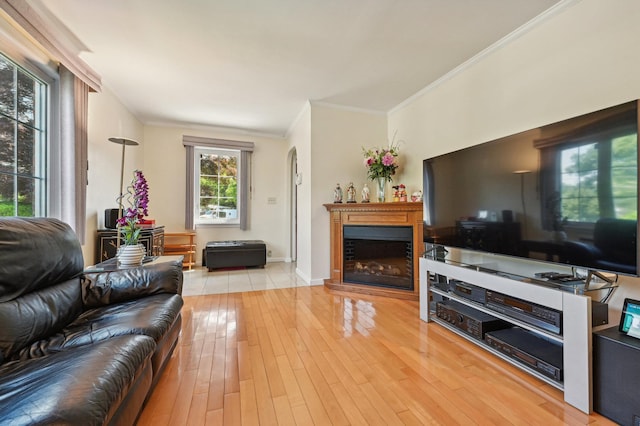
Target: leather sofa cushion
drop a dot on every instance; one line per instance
(83, 387)
(36, 253)
(151, 316)
(37, 315)
(104, 288)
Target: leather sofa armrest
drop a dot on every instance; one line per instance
(104, 288)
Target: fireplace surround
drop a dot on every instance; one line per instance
(375, 248)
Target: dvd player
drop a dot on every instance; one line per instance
(470, 320)
(540, 316)
(468, 291)
(540, 354)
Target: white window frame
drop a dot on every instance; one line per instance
(192, 205)
(43, 169)
(234, 220)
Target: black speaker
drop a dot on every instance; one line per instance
(616, 376)
(110, 218)
(507, 216)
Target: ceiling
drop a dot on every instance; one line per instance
(251, 65)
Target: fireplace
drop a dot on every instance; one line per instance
(375, 248)
(378, 256)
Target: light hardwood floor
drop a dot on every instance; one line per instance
(303, 355)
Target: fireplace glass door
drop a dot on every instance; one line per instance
(378, 255)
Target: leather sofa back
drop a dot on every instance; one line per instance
(36, 253)
(40, 285)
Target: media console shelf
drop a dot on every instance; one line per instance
(574, 337)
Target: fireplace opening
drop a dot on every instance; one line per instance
(378, 255)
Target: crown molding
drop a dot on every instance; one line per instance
(26, 18)
(509, 38)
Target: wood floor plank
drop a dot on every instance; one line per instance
(264, 401)
(232, 409)
(303, 356)
(248, 403)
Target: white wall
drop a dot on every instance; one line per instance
(108, 118)
(165, 170)
(580, 60)
(337, 138)
(299, 137)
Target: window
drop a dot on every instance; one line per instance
(598, 179)
(23, 136)
(217, 185)
(218, 177)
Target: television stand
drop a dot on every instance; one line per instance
(572, 310)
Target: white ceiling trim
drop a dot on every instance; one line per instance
(29, 20)
(509, 38)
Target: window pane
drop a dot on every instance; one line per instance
(26, 152)
(626, 208)
(7, 207)
(209, 164)
(23, 154)
(218, 186)
(589, 184)
(208, 186)
(587, 158)
(7, 145)
(26, 197)
(26, 98)
(228, 166)
(624, 151)
(7, 88)
(625, 181)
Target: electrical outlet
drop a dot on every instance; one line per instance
(268, 253)
(271, 200)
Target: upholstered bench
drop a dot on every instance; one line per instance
(229, 254)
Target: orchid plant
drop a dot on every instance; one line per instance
(137, 196)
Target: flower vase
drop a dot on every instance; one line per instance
(381, 183)
(131, 255)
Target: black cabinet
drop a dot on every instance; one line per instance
(151, 238)
(616, 376)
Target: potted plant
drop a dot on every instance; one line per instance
(137, 196)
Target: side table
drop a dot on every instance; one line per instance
(112, 264)
(151, 238)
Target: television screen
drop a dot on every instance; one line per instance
(566, 193)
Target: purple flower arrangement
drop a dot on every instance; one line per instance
(138, 197)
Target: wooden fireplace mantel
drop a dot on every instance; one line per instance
(382, 214)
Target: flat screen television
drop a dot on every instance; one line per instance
(564, 193)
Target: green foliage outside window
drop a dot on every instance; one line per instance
(21, 141)
(218, 186)
(600, 180)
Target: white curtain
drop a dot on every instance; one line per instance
(72, 188)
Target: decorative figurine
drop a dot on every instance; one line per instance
(337, 194)
(396, 193)
(365, 193)
(351, 193)
(416, 196)
(403, 193)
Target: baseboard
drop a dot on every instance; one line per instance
(304, 277)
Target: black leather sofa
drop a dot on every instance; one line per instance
(75, 348)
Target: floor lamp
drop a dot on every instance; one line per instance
(124, 142)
